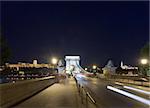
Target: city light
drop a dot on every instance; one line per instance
(94, 66)
(85, 69)
(54, 61)
(35, 62)
(144, 61)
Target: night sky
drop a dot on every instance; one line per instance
(97, 31)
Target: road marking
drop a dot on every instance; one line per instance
(90, 97)
(138, 90)
(140, 99)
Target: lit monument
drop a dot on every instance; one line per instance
(109, 68)
(72, 64)
(60, 66)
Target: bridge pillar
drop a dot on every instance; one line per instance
(72, 64)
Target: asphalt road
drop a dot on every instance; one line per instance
(106, 98)
(62, 95)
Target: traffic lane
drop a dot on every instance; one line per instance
(116, 98)
(108, 99)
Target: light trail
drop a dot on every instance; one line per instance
(140, 99)
(138, 90)
(118, 83)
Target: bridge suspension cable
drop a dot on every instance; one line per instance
(82, 70)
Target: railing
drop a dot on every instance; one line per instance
(15, 93)
(85, 95)
(135, 80)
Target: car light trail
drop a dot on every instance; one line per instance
(119, 83)
(135, 89)
(80, 76)
(140, 99)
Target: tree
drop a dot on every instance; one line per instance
(4, 50)
(144, 53)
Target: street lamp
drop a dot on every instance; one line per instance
(144, 61)
(85, 69)
(94, 66)
(143, 67)
(54, 61)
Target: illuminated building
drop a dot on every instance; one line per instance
(29, 65)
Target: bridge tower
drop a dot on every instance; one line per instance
(72, 64)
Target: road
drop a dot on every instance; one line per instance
(106, 98)
(65, 95)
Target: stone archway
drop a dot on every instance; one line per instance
(72, 64)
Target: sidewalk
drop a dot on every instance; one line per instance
(60, 95)
(66, 94)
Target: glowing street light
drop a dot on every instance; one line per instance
(144, 61)
(94, 66)
(54, 61)
(85, 69)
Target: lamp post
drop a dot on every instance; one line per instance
(144, 63)
(85, 69)
(94, 69)
(54, 61)
(94, 66)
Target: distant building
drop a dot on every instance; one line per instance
(109, 68)
(127, 70)
(29, 65)
(127, 67)
(60, 67)
(72, 64)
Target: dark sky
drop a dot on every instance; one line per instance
(97, 31)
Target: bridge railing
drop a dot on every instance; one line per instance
(134, 80)
(86, 97)
(16, 92)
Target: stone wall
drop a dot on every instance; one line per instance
(13, 93)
